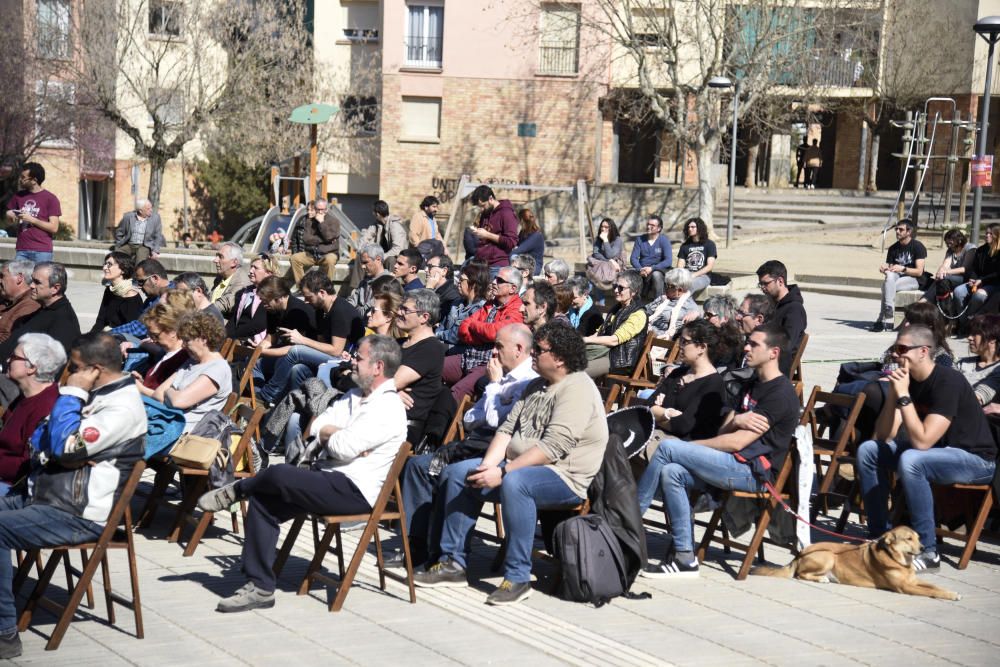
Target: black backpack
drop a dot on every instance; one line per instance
(593, 566)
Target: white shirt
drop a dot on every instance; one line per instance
(375, 424)
(499, 398)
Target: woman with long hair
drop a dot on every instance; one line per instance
(474, 286)
(122, 301)
(697, 254)
(530, 240)
(982, 367)
(382, 316)
(609, 243)
(983, 277)
(953, 267)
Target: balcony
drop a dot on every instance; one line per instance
(423, 52)
(558, 59)
(834, 71)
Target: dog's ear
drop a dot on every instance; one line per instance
(888, 538)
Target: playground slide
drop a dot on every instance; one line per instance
(274, 220)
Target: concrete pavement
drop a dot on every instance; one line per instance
(709, 621)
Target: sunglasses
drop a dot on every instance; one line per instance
(500, 281)
(620, 288)
(538, 350)
(709, 314)
(900, 349)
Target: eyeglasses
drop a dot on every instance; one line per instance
(742, 313)
(686, 341)
(404, 311)
(673, 286)
(538, 350)
(620, 288)
(762, 284)
(14, 357)
(899, 349)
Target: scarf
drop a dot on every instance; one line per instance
(123, 287)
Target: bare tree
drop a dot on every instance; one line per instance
(167, 72)
(665, 53)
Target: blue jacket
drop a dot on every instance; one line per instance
(658, 256)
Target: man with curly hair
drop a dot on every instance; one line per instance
(543, 456)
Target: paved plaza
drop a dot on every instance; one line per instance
(708, 621)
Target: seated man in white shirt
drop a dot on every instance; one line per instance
(509, 371)
(358, 438)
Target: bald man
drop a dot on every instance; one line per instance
(510, 373)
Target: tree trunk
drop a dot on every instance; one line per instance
(156, 168)
(706, 186)
(751, 176)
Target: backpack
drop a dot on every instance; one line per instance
(591, 561)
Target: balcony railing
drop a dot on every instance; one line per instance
(423, 51)
(558, 59)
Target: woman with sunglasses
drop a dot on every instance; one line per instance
(121, 301)
(687, 402)
(616, 346)
(382, 317)
(668, 312)
(161, 323)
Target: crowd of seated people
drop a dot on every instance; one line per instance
(531, 353)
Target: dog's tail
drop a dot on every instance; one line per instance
(786, 572)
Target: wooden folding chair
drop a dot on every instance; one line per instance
(642, 376)
(829, 451)
(795, 370)
(389, 496)
(117, 534)
(769, 505)
(194, 481)
(227, 348)
(248, 355)
(973, 524)
(456, 431)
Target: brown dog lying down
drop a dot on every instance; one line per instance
(885, 564)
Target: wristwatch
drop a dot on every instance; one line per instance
(903, 401)
(503, 471)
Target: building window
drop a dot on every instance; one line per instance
(359, 114)
(559, 48)
(53, 29)
(424, 35)
(165, 17)
(651, 27)
(421, 118)
(54, 105)
(361, 34)
(167, 106)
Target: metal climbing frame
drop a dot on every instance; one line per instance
(920, 137)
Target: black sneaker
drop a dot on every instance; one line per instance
(446, 574)
(672, 569)
(878, 327)
(247, 598)
(10, 647)
(508, 593)
(927, 561)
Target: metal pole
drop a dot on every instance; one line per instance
(732, 165)
(977, 200)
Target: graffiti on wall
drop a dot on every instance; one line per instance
(445, 188)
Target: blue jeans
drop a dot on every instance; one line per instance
(286, 372)
(679, 467)
(522, 494)
(960, 293)
(916, 470)
(35, 256)
(33, 527)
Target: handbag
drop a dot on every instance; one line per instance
(195, 451)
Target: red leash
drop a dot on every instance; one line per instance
(777, 496)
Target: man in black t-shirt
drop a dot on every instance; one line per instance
(904, 265)
(762, 428)
(947, 440)
(338, 325)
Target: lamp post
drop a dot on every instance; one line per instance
(725, 82)
(989, 29)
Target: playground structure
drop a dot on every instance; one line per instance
(925, 132)
(291, 191)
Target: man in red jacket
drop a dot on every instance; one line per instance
(497, 229)
(478, 333)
